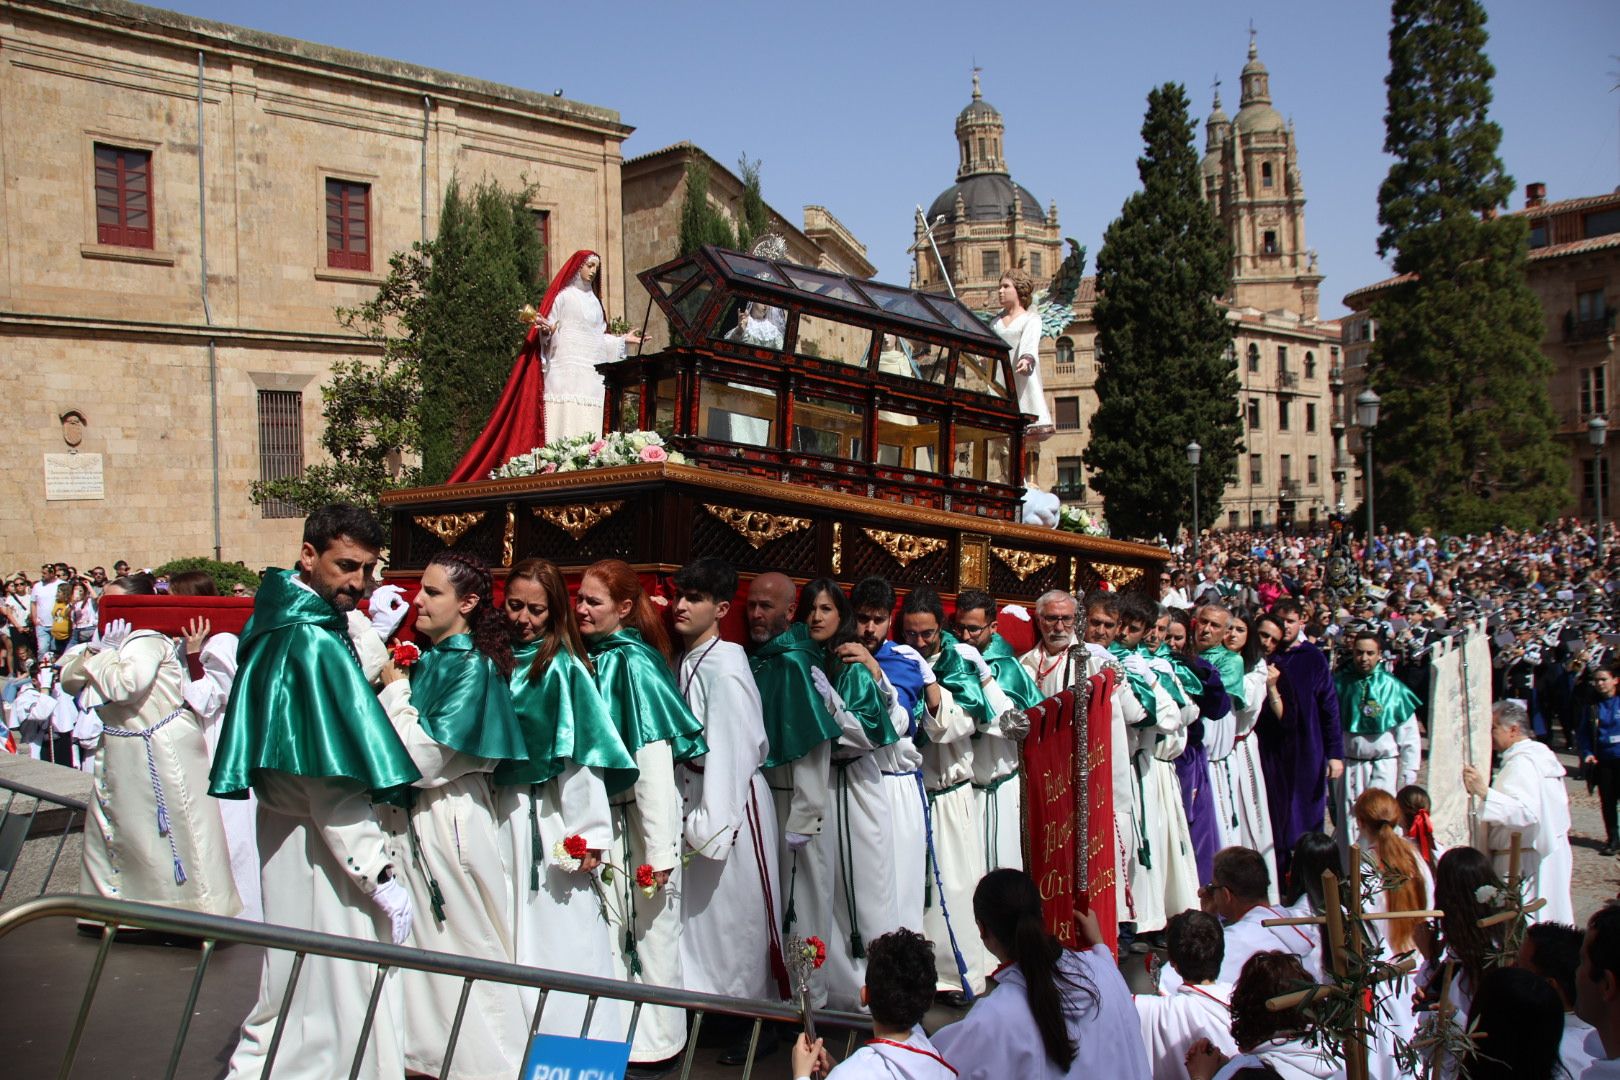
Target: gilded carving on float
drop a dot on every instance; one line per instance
(756, 526)
(905, 548)
(1024, 563)
(579, 518)
(838, 547)
(1116, 575)
(449, 527)
(972, 562)
(509, 537)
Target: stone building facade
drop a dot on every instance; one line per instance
(1573, 267)
(654, 188)
(184, 205)
(1291, 463)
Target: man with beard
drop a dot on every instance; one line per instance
(800, 731)
(1379, 714)
(305, 732)
(1303, 749)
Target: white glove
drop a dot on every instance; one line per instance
(798, 841)
(917, 658)
(1016, 611)
(396, 904)
(388, 608)
(113, 636)
(976, 658)
(1136, 665)
(824, 688)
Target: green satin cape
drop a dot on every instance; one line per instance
(796, 719)
(1186, 685)
(300, 703)
(563, 718)
(462, 702)
(863, 698)
(641, 695)
(1139, 684)
(1230, 666)
(1013, 678)
(1374, 704)
(961, 679)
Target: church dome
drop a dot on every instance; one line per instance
(987, 197)
(1252, 119)
(1257, 115)
(978, 111)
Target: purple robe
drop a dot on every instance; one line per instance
(1192, 767)
(1296, 747)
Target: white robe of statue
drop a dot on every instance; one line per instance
(1528, 797)
(1171, 1023)
(1023, 338)
(1241, 812)
(958, 847)
(573, 387)
(154, 834)
(207, 697)
(558, 922)
(730, 903)
(457, 847)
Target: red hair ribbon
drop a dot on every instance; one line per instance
(1422, 834)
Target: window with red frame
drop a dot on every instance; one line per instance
(348, 225)
(123, 196)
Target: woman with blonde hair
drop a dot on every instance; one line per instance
(1382, 850)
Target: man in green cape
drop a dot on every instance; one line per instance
(304, 731)
(1382, 747)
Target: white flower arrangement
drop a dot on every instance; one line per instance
(1072, 519)
(587, 451)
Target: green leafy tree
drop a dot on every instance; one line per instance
(1465, 433)
(756, 219)
(224, 574)
(485, 260)
(1166, 374)
(701, 223)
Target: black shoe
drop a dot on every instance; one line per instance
(737, 1052)
(1608, 850)
(651, 1070)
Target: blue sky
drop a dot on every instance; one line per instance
(851, 105)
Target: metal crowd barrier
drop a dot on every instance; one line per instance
(17, 827)
(212, 930)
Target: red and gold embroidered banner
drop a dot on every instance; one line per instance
(1069, 843)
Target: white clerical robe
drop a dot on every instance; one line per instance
(1241, 813)
(154, 835)
(730, 902)
(998, 1038)
(1247, 936)
(558, 921)
(1164, 870)
(996, 785)
(457, 848)
(1528, 797)
(1171, 1023)
(207, 697)
(957, 850)
(911, 1058)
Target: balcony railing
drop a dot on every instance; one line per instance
(1336, 373)
(1343, 463)
(1288, 380)
(1290, 489)
(1588, 329)
(1069, 492)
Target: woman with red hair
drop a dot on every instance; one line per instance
(574, 339)
(629, 647)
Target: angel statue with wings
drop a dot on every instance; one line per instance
(1026, 317)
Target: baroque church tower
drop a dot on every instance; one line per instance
(984, 224)
(1251, 178)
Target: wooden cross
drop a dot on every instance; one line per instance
(1343, 939)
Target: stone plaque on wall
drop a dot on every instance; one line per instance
(73, 476)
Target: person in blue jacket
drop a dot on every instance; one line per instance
(1598, 741)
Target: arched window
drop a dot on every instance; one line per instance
(1065, 352)
(1310, 365)
(1265, 174)
(1254, 357)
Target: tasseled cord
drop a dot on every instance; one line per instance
(435, 896)
(536, 853)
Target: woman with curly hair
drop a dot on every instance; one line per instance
(1266, 1039)
(454, 715)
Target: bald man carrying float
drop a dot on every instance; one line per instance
(801, 733)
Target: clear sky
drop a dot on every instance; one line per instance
(851, 105)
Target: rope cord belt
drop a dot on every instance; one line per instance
(163, 823)
(846, 859)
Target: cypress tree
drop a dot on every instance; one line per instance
(1166, 375)
(1465, 433)
(485, 261)
(701, 223)
(756, 220)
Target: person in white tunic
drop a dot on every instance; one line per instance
(1237, 894)
(1278, 1040)
(730, 937)
(32, 710)
(152, 835)
(1597, 992)
(1200, 1009)
(899, 989)
(1020, 327)
(454, 715)
(574, 339)
(1553, 951)
(1528, 797)
(1381, 738)
(1054, 1012)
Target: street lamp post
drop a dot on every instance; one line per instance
(1367, 417)
(1597, 433)
(1195, 453)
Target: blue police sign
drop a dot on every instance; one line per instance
(557, 1057)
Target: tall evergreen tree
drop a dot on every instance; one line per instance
(756, 220)
(485, 261)
(1165, 372)
(1465, 436)
(701, 223)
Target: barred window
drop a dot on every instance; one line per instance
(281, 443)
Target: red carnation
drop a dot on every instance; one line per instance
(576, 847)
(820, 950)
(405, 653)
(644, 876)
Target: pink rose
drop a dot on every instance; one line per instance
(653, 454)
(551, 467)
(596, 447)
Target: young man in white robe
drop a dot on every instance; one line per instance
(1529, 798)
(1048, 663)
(1382, 744)
(1597, 992)
(1237, 895)
(1201, 1008)
(730, 904)
(1553, 951)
